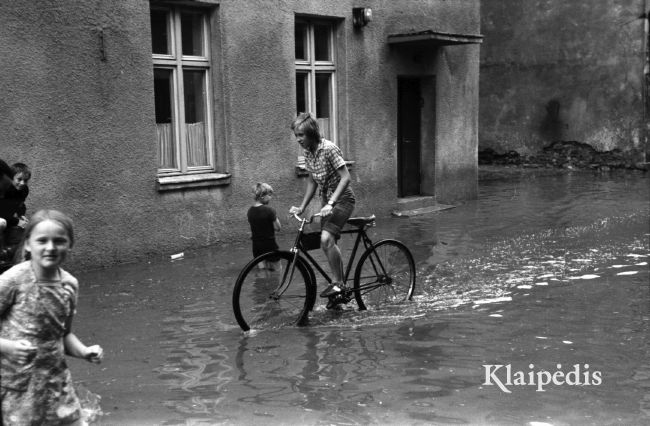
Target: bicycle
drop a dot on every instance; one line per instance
(279, 288)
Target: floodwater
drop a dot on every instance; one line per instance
(546, 276)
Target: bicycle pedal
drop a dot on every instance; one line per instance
(334, 301)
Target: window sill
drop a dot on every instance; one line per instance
(198, 180)
(301, 170)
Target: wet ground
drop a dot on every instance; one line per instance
(545, 275)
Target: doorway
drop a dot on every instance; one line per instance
(409, 136)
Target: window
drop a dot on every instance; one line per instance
(182, 92)
(316, 73)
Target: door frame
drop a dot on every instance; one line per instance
(402, 185)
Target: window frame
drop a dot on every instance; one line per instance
(181, 174)
(312, 67)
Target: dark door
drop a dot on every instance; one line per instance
(409, 102)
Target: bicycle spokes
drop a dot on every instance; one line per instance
(385, 275)
(268, 295)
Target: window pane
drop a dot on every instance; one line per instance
(195, 122)
(323, 103)
(301, 41)
(163, 90)
(323, 95)
(192, 34)
(160, 32)
(322, 42)
(301, 93)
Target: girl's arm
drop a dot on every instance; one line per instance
(343, 183)
(309, 194)
(75, 348)
(344, 173)
(17, 350)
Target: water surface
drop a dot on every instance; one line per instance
(540, 270)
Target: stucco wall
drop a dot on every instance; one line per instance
(77, 106)
(556, 70)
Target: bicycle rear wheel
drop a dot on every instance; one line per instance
(268, 294)
(385, 275)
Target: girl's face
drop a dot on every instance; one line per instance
(48, 245)
(304, 141)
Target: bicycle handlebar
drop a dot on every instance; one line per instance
(311, 218)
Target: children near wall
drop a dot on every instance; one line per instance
(37, 303)
(263, 222)
(6, 207)
(13, 210)
(19, 189)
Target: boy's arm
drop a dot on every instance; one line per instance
(277, 225)
(5, 169)
(8, 211)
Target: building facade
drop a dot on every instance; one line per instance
(149, 121)
(554, 70)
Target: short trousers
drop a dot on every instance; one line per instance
(263, 246)
(341, 212)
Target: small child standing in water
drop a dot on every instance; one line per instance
(37, 303)
(263, 221)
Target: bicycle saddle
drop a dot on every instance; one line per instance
(361, 222)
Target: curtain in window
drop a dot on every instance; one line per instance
(197, 154)
(324, 126)
(167, 158)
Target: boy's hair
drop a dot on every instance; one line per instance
(261, 189)
(306, 122)
(21, 168)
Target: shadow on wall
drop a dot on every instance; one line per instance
(551, 127)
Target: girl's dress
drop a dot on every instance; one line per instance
(39, 391)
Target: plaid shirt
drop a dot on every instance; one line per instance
(323, 164)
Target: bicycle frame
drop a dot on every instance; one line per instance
(375, 268)
(297, 250)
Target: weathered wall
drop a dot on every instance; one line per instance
(73, 111)
(562, 70)
(80, 112)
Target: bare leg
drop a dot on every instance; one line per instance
(333, 253)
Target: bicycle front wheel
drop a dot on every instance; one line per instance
(385, 275)
(269, 294)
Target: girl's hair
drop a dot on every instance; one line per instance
(261, 189)
(306, 122)
(42, 216)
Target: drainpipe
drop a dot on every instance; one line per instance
(646, 79)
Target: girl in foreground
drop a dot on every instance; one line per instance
(37, 302)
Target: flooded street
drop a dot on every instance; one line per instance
(545, 274)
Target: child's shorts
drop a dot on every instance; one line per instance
(263, 246)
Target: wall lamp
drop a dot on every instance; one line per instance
(361, 16)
